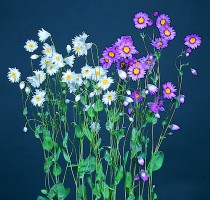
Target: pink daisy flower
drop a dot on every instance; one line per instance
(111, 53)
(136, 72)
(168, 33)
(192, 41)
(141, 20)
(169, 90)
(159, 43)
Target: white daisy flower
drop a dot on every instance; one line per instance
(68, 48)
(98, 72)
(31, 45)
(47, 50)
(22, 85)
(43, 35)
(109, 97)
(70, 60)
(38, 98)
(80, 46)
(14, 75)
(87, 72)
(78, 79)
(58, 60)
(72, 88)
(95, 127)
(44, 62)
(37, 79)
(98, 90)
(52, 69)
(68, 77)
(105, 82)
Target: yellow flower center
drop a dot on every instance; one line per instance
(111, 54)
(39, 76)
(105, 81)
(168, 90)
(98, 89)
(57, 58)
(149, 62)
(137, 96)
(97, 73)
(106, 60)
(192, 40)
(160, 43)
(136, 71)
(14, 75)
(126, 49)
(31, 46)
(68, 77)
(48, 50)
(109, 96)
(141, 20)
(51, 67)
(77, 49)
(38, 98)
(47, 62)
(163, 21)
(167, 32)
(137, 63)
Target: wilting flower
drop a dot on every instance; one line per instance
(30, 46)
(111, 53)
(157, 105)
(152, 89)
(174, 127)
(122, 64)
(169, 90)
(181, 99)
(37, 79)
(167, 33)
(68, 76)
(140, 20)
(109, 97)
(141, 161)
(144, 176)
(47, 50)
(70, 60)
(14, 75)
(194, 72)
(136, 96)
(136, 72)
(192, 41)
(162, 20)
(80, 46)
(106, 62)
(148, 62)
(98, 72)
(105, 82)
(159, 43)
(43, 35)
(95, 127)
(38, 98)
(87, 72)
(122, 74)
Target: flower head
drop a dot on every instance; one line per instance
(141, 161)
(181, 98)
(192, 41)
(47, 50)
(167, 33)
(44, 62)
(68, 77)
(38, 98)
(31, 45)
(174, 127)
(87, 72)
(136, 96)
(122, 64)
(43, 35)
(111, 53)
(105, 82)
(140, 20)
(152, 89)
(14, 75)
(148, 62)
(162, 20)
(169, 90)
(109, 97)
(98, 73)
(37, 79)
(70, 60)
(159, 43)
(57, 59)
(95, 127)
(136, 72)
(194, 72)
(144, 176)
(106, 62)
(52, 69)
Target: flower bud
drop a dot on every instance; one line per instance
(27, 90)
(144, 176)
(67, 101)
(25, 129)
(122, 74)
(68, 48)
(141, 161)
(174, 127)
(194, 72)
(34, 56)
(131, 119)
(22, 85)
(77, 98)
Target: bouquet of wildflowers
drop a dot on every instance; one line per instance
(101, 125)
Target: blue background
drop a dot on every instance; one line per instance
(185, 174)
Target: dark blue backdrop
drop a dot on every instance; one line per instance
(185, 174)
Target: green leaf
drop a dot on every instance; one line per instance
(119, 175)
(65, 139)
(128, 180)
(38, 131)
(42, 198)
(99, 106)
(105, 190)
(57, 170)
(63, 85)
(47, 164)
(66, 156)
(78, 132)
(108, 158)
(25, 111)
(86, 166)
(150, 118)
(91, 112)
(88, 134)
(96, 146)
(47, 145)
(156, 161)
(125, 158)
(44, 191)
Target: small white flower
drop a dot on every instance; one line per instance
(68, 76)
(14, 75)
(31, 45)
(25, 129)
(87, 72)
(34, 56)
(128, 92)
(98, 90)
(109, 97)
(27, 90)
(129, 99)
(78, 79)
(98, 72)
(68, 48)
(67, 101)
(43, 35)
(95, 127)
(47, 50)
(157, 115)
(92, 94)
(44, 62)
(122, 74)
(52, 69)
(131, 119)
(37, 79)
(70, 60)
(121, 114)
(22, 85)
(58, 59)
(72, 88)
(105, 82)
(38, 98)
(77, 98)
(152, 89)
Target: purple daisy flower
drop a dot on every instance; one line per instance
(169, 90)
(159, 102)
(136, 72)
(156, 106)
(140, 20)
(162, 20)
(122, 64)
(136, 96)
(168, 33)
(106, 62)
(192, 41)
(111, 53)
(159, 43)
(148, 62)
